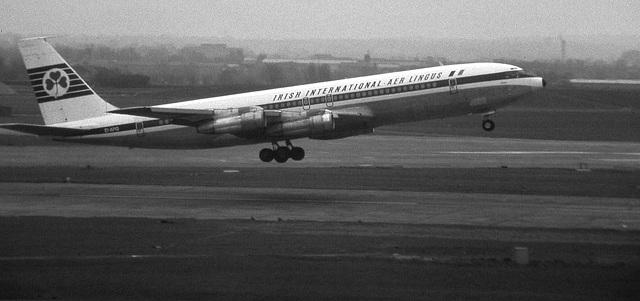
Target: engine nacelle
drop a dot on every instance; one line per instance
(226, 122)
(311, 126)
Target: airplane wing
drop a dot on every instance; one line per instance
(245, 121)
(166, 113)
(182, 116)
(42, 130)
(200, 114)
(250, 121)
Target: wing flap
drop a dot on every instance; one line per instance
(190, 117)
(165, 113)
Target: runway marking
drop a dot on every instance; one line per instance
(233, 199)
(430, 204)
(101, 257)
(621, 160)
(534, 153)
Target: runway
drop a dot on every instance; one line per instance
(326, 205)
(370, 150)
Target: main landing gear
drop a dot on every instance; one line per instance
(281, 153)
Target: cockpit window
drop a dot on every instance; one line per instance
(522, 73)
(517, 74)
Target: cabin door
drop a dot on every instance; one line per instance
(453, 85)
(328, 100)
(140, 129)
(306, 103)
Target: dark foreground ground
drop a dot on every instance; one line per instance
(145, 258)
(138, 258)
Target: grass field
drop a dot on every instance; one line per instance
(186, 259)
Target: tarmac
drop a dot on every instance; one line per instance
(362, 151)
(274, 201)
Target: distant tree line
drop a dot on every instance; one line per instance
(11, 65)
(115, 78)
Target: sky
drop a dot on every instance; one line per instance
(298, 19)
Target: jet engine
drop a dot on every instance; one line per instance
(233, 121)
(301, 125)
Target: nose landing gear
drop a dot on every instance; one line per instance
(488, 125)
(281, 153)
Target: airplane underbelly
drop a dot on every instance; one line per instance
(492, 98)
(446, 104)
(416, 108)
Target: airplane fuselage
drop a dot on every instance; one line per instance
(384, 99)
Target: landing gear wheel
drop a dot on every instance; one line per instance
(488, 125)
(297, 153)
(282, 154)
(267, 155)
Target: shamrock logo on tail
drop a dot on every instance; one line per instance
(56, 82)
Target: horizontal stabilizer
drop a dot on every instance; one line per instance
(42, 130)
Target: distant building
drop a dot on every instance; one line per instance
(213, 51)
(310, 61)
(218, 52)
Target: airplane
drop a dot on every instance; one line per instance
(73, 112)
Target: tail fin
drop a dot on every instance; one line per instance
(62, 95)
